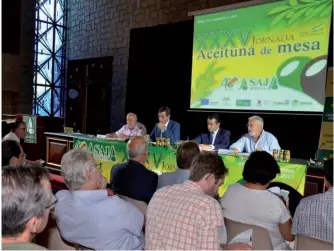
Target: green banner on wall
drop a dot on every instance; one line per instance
(161, 160)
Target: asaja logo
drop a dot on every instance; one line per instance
(100, 151)
(252, 84)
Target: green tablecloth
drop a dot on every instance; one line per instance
(162, 160)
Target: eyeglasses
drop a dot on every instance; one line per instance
(98, 166)
(208, 176)
(53, 203)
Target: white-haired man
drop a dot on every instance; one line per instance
(87, 216)
(257, 138)
(132, 128)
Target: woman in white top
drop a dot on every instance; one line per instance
(251, 202)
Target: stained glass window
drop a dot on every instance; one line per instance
(49, 60)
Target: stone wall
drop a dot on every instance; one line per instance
(99, 28)
(17, 70)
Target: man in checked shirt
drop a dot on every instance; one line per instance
(314, 214)
(187, 216)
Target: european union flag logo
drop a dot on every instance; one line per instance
(205, 101)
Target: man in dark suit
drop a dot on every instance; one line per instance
(131, 178)
(217, 138)
(166, 128)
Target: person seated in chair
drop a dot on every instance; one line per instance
(257, 139)
(166, 128)
(12, 153)
(251, 202)
(217, 138)
(18, 133)
(185, 155)
(26, 203)
(132, 128)
(87, 216)
(132, 178)
(314, 214)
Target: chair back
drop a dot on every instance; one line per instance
(307, 243)
(141, 205)
(260, 237)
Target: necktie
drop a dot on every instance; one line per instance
(211, 138)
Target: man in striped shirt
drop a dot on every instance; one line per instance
(187, 216)
(314, 214)
(132, 128)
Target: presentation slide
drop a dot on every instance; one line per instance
(268, 57)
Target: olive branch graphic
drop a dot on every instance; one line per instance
(300, 10)
(205, 83)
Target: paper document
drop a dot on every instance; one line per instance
(225, 151)
(280, 192)
(230, 152)
(244, 237)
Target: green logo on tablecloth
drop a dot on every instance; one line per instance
(100, 150)
(31, 136)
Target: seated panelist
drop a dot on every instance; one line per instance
(132, 128)
(166, 128)
(217, 138)
(257, 139)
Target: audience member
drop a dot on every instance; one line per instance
(12, 153)
(132, 178)
(87, 216)
(314, 215)
(185, 154)
(251, 202)
(186, 216)
(18, 131)
(26, 202)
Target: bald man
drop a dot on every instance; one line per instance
(132, 178)
(130, 129)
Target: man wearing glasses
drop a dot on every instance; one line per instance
(257, 138)
(25, 212)
(19, 131)
(86, 215)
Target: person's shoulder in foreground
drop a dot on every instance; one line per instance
(22, 246)
(314, 214)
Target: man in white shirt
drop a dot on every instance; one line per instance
(257, 139)
(87, 216)
(132, 128)
(19, 131)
